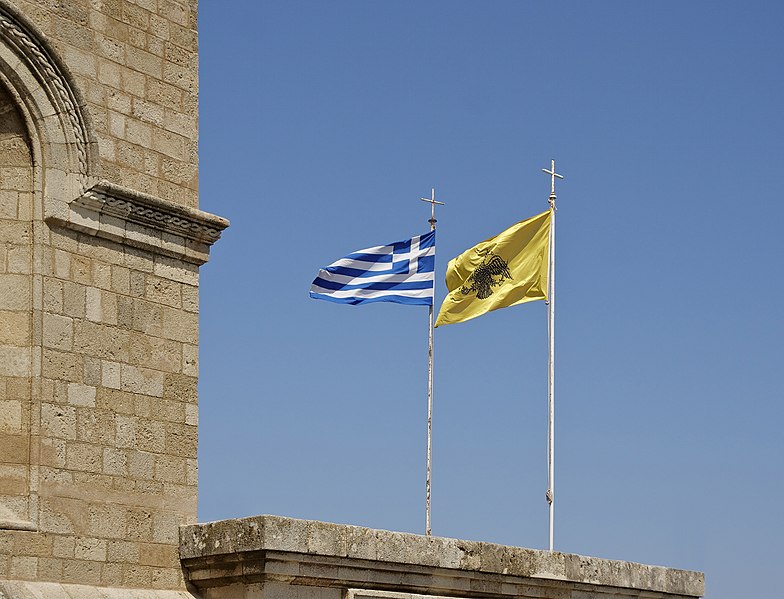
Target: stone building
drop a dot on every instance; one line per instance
(100, 244)
(101, 240)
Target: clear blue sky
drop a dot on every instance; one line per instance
(322, 123)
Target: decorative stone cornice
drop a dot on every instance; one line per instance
(144, 221)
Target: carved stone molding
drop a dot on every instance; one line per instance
(140, 220)
(30, 47)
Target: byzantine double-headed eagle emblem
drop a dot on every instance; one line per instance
(490, 273)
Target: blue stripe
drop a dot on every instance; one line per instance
(368, 257)
(380, 286)
(428, 240)
(426, 264)
(403, 246)
(398, 268)
(397, 299)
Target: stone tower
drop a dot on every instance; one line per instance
(100, 245)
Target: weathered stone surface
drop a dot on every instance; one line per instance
(306, 552)
(101, 242)
(16, 589)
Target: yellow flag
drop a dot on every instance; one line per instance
(506, 270)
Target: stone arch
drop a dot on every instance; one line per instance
(47, 159)
(64, 145)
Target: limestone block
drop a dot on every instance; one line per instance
(192, 414)
(181, 440)
(110, 374)
(90, 549)
(15, 328)
(139, 525)
(101, 341)
(121, 279)
(141, 465)
(64, 366)
(92, 372)
(170, 469)
(19, 259)
(106, 521)
(148, 318)
(24, 567)
(160, 555)
(50, 568)
(125, 434)
(114, 400)
(150, 435)
(170, 411)
(15, 361)
(58, 421)
(11, 416)
(180, 388)
(83, 572)
(165, 527)
(190, 298)
(123, 551)
(60, 515)
(84, 456)
(63, 546)
(52, 295)
(81, 269)
(93, 304)
(74, 299)
(96, 426)
(111, 575)
(163, 291)
(142, 380)
(140, 576)
(180, 326)
(14, 292)
(81, 395)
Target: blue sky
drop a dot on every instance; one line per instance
(322, 123)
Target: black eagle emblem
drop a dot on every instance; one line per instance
(490, 273)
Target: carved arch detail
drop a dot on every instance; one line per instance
(48, 93)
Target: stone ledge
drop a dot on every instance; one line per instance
(133, 218)
(268, 547)
(22, 589)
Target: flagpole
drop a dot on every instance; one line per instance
(428, 531)
(551, 357)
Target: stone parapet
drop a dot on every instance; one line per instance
(268, 556)
(19, 589)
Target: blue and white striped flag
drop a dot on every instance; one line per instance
(402, 272)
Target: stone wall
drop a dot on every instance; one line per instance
(270, 557)
(100, 245)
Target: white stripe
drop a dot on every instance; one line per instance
(369, 293)
(382, 266)
(362, 264)
(399, 278)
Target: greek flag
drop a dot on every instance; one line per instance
(402, 272)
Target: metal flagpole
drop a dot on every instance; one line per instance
(432, 221)
(551, 353)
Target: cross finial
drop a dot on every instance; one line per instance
(553, 175)
(432, 201)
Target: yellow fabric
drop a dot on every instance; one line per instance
(505, 270)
